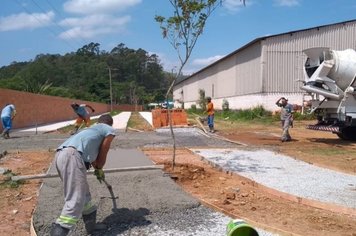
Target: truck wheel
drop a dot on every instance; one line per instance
(348, 133)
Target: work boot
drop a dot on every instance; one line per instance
(5, 134)
(58, 230)
(90, 223)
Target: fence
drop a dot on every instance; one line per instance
(36, 109)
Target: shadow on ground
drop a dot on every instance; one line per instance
(122, 220)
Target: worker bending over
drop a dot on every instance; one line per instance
(83, 115)
(72, 160)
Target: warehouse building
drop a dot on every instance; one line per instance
(264, 69)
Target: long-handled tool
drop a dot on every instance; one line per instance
(112, 194)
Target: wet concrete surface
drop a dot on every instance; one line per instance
(145, 199)
(149, 202)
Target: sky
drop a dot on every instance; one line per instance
(32, 27)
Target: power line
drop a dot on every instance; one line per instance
(65, 32)
(47, 28)
(64, 18)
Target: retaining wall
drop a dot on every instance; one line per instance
(36, 109)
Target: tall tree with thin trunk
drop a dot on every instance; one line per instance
(182, 31)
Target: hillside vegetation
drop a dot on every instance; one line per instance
(137, 77)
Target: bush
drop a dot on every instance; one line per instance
(193, 108)
(202, 99)
(300, 116)
(247, 114)
(225, 105)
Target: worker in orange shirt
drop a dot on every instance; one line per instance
(210, 111)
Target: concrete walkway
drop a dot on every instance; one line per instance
(52, 126)
(147, 115)
(121, 120)
(148, 203)
(287, 175)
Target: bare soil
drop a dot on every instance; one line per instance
(18, 200)
(239, 198)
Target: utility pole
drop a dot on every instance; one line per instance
(110, 89)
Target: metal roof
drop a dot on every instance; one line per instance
(257, 40)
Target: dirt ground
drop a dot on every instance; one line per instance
(224, 192)
(17, 202)
(239, 198)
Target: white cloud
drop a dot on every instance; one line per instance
(287, 3)
(96, 20)
(98, 6)
(189, 68)
(233, 5)
(206, 61)
(93, 25)
(26, 21)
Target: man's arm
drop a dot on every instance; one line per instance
(277, 103)
(104, 149)
(92, 109)
(13, 113)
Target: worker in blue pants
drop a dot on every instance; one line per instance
(7, 115)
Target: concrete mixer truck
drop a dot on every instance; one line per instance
(330, 80)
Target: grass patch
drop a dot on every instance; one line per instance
(136, 121)
(244, 117)
(257, 114)
(8, 183)
(331, 152)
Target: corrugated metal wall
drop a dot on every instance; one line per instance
(236, 75)
(270, 66)
(248, 70)
(285, 59)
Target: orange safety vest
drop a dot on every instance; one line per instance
(210, 108)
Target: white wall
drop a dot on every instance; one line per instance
(249, 101)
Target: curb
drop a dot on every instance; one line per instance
(251, 222)
(300, 200)
(287, 196)
(32, 228)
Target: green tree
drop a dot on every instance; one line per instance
(137, 77)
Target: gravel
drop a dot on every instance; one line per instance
(287, 174)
